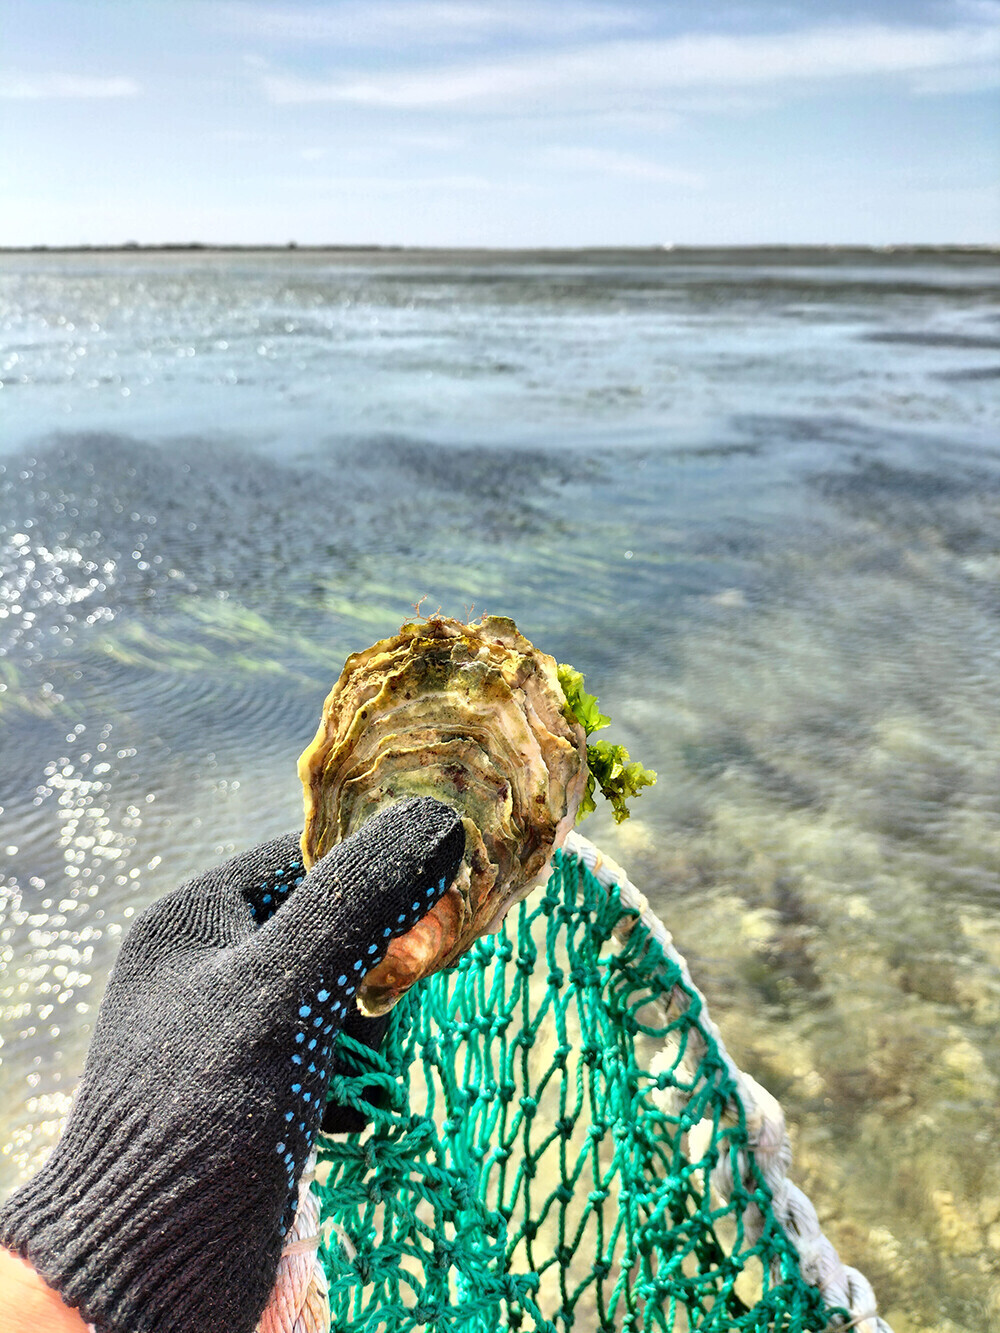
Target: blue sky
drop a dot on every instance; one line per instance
(500, 122)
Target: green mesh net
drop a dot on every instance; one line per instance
(528, 1170)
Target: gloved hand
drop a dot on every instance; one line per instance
(163, 1206)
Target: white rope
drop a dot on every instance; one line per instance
(821, 1266)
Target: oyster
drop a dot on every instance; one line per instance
(474, 716)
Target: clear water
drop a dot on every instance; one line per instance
(756, 498)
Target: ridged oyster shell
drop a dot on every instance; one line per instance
(474, 716)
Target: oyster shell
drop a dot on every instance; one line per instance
(474, 716)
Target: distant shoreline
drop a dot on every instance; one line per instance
(204, 247)
(644, 256)
(129, 247)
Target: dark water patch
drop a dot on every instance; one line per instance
(735, 541)
(931, 512)
(784, 976)
(974, 375)
(721, 451)
(791, 429)
(493, 489)
(95, 525)
(818, 292)
(881, 483)
(880, 561)
(725, 752)
(906, 337)
(697, 285)
(955, 509)
(928, 976)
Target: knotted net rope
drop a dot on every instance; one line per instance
(559, 1140)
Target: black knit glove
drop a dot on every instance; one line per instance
(163, 1206)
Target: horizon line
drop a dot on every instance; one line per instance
(130, 247)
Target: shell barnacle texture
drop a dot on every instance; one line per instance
(473, 715)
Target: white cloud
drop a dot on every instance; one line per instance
(430, 142)
(34, 87)
(242, 136)
(960, 79)
(425, 22)
(631, 69)
(607, 162)
(388, 184)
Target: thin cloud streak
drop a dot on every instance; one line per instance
(390, 184)
(631, 67)
(632, 166)
(38, 87)
(425, 22)
(964, 79)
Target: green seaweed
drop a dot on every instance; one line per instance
(619, 777)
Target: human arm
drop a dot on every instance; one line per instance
(29, 1305)
(166, 1201)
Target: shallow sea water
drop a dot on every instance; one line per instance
(754, 497)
